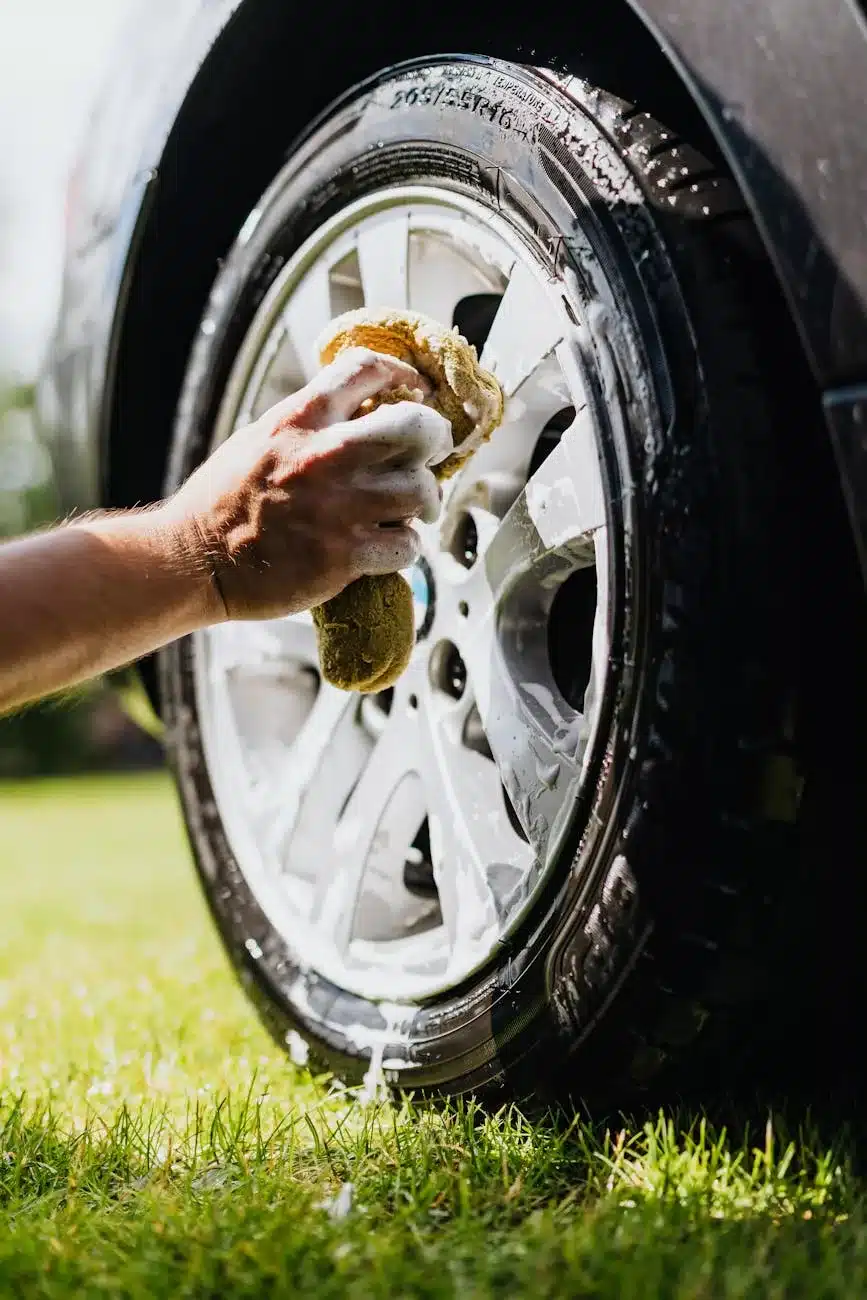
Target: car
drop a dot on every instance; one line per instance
(593, 845)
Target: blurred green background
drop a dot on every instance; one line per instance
(52, 58)
(85, 730)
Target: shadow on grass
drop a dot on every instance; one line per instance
(345, 1199)
(429, 1157)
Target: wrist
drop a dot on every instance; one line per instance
(173, 550)
(192, 557)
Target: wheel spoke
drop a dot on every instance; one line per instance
(262, 645)
(384, 907)
(370, 832)
(296, 636)
(383, 250)
(307, 313)
(540, 772)
(498, 470)
(536, 746)
(554, 517)
(439, 276)
(477, 856)
(549, 531)
(526, 329)
(311, 781)
(565, 496)
(280, 377)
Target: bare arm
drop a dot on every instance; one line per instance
(79, 600)
(285, 514)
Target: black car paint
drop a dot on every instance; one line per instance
(780, 84)
(783, 85)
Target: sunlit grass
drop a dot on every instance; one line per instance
(153, 1142)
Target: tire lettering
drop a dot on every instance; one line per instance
(468, 100)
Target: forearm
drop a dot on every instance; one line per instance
(283, 515)
(85, 598)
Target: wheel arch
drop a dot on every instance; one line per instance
(230, 136)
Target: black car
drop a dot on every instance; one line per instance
(599, 838)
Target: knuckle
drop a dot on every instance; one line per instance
(318, 406)
(362, 360)
(314, 410)
(413, 415)
(441, 424)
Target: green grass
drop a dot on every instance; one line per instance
(154, 1143)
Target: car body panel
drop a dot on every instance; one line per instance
(107, 204)
(781, 83)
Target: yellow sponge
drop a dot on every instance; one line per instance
(366, 633)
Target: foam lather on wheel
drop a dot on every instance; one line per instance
(367, 631)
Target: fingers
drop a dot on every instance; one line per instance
(404, 434)
(399, 494)
(385, 550)
(336, 393)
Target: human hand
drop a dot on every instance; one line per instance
(291, 509)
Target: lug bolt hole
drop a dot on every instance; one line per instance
(448, 670)
(463, 609)
(465, 542)
(413, 703)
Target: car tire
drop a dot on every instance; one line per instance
(640, 965)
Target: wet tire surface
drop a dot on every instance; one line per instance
(654, 955)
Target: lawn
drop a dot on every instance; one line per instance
(154, 1143)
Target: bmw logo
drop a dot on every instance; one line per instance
(421, 582)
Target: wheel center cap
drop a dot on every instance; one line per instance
(423, 596)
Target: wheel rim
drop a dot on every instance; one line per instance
(395, 841)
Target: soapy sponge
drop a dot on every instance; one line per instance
(366, 633)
